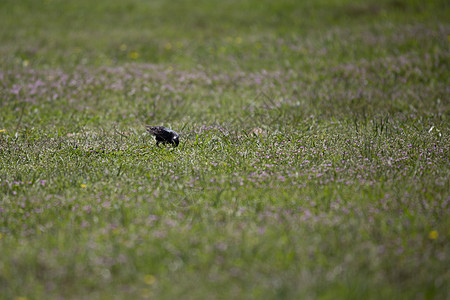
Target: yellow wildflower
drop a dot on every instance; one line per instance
(83, 185)
(433, 235)
(133, 55)
(25, 63)
(149, 279)
(2, 130)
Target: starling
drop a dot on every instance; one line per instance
(164, 135)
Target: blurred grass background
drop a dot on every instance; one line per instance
(313, 161)
(67, 33)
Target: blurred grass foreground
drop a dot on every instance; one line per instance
(313, 162)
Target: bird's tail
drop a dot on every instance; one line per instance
(151, 129)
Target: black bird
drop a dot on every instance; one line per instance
(164, 135)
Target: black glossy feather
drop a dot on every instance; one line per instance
(164, 135)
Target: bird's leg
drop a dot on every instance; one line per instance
(157, 144)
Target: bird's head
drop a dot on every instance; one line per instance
(175, 141)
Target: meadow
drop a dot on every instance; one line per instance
(313, 162)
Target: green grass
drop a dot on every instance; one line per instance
(313, 161)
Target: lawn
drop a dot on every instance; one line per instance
(313, 161)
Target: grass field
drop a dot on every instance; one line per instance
(313, 163)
